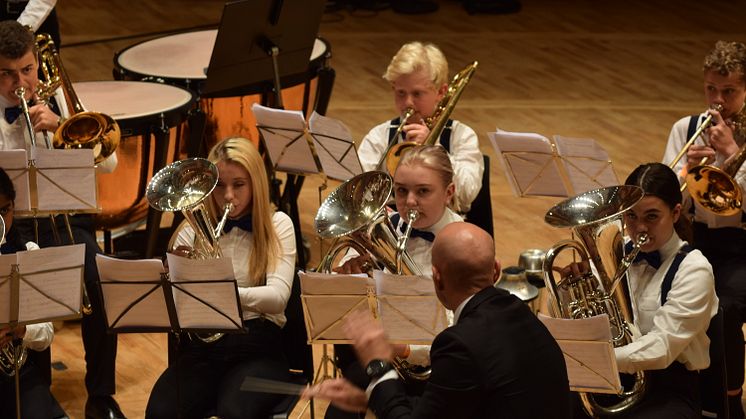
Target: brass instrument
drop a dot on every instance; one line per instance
(354, 214)
(12, 357)
(184, 186)
(715, 189)
(82, 129)
(437, 121)
(381, 166)
(596, 219)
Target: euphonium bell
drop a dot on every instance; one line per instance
(12, 357)
(596, 220)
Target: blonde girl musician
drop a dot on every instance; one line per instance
(206, 378)
(423, 182)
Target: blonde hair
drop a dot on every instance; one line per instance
(416, 56)
(727, 58)
(266, 245)
(433, 157)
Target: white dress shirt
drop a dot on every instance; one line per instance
(468, 165)
(268, 300)
(677, 330)
(36, 12)
(676, 141)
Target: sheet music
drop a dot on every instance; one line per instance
(66, 179)
(15, 164)
(119, 295)
(589, 355)
(409, 308)
(223, 296)
(529, 163)
(335, 147)
(587, 164)
(5, 262)
(328, 299)
(282, 131)
(51, 284)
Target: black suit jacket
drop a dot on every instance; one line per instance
(498, 361)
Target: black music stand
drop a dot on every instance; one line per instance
(259, 46)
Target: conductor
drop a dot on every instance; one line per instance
(496, 361)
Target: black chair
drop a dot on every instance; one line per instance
(713, 382)
(480, 213)
(297, 351)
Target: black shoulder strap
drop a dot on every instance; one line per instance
(693, 123)
(668, 279)
(393, 127)
(445, 136)
(395, 217)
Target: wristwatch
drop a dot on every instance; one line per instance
(377, 368)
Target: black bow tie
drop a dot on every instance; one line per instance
(12, 113)
(652, 258)
(244, 223)
(418, 233)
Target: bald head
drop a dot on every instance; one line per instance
(463, 261)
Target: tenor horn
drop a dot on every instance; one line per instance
(595, 218)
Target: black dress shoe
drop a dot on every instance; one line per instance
(102, 407)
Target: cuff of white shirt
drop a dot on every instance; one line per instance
(391, 375)
(623, 361)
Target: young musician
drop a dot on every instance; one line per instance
(496, 361)
(36, 398)
(672, 293)
(206, 378)
(19, 67)
(423, 182)
(418, 75)
(721, 238)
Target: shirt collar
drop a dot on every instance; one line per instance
(460, 308)
(671, 247)
(445, 219)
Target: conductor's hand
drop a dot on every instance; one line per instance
(183, 251)
(697, 152)
(340, 393)
(357, 265)
(721, 135)
(367, 337)
(7, 334)
(43, 118)
(416, 132)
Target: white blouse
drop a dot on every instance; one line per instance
(675, 331)
(268, 300)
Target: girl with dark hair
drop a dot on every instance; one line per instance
(36, 398)
(672, 293)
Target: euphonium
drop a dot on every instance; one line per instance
(184, 186)
(82, 129)
(12, 357)
(354, 214)
(715, 189)
(596, 219)
(436, 122)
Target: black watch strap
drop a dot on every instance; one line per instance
(377, 368)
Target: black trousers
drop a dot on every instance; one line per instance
(206, 378)
(36, 398)
(725, 248)
(100, 346)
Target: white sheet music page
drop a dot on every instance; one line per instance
(5, 266)
(121, 287)
(51, 284)
(589, 355)
(15, 164)
(200, 279)
(587, 164)
(408, 308)
(66, 180)
(335, 147)
(282, 131)
(328, 299)
(529, 163)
